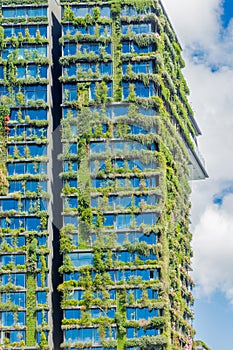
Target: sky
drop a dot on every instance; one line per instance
(205, 31)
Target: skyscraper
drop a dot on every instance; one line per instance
(104, 155)
(24, 227)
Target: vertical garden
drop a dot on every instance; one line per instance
(128, 138)
(127, 134)
(23, 176)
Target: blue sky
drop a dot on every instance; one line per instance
(227, 12)
(214, 321)
(205, 30)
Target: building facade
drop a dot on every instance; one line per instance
(95, 241)
(24, 90)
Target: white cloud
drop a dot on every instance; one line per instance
(195, 20)
(198, 25)
(213, 105)
(213, 240)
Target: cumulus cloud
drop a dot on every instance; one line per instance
(197, 17)
(198, 25)
(213, 105)
(208, 52)
(213, 240)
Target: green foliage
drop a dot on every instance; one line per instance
(201, 343)
(31, 309)
(4, 112)
(120, 318)
(96, 13)
(31, 254)
(167, 163)
(146, 342)
(68, 14)
(132, 95)
(66, 244)
(116, 47)
(43, 341)
(2, 44)
(101, 92)
(67, 265)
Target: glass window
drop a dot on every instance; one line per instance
(81, 11)
(139, 67)
(41, 316)
(1, 73)
(16, 279)
(105, 68)
(32, 224)
(43, 72)
(32, 186)
(22, 12)
(81, 259)
(77, 295)
(71, 70)
(84, 30)
(20, 259)
(130, 332)
(105, 30)
(3, 91)
(93, 90)
(31, 71)
(7, 318)
(21, 240)
(40, 114)
(41, 297)
(68, 111)
(71, 220)
(42, 241)
(21, 318)
(131, 47)
(108, 220)
(75, 239)
(145, 218)
(18, 299)
(16, 259)
(10, 204)
(69, 92)
(26, 52)
(67, 166)
(123, 221)
(20, 72)
(38, 336)
(140, 89)
(69, 49)
(105, 11)
(69, 29)
(16, 335)
(8, 32)
(83, 335)
(142, 28)
(121, 237)
(71, 202)
(41, 283)
(98, 147)
(72, 314)
(37, 92)
(39, 264)
(72, 183)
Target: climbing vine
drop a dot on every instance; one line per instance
(131, 168)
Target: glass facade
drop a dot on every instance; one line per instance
(122, 159)
(128, 137)
(23, 223)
